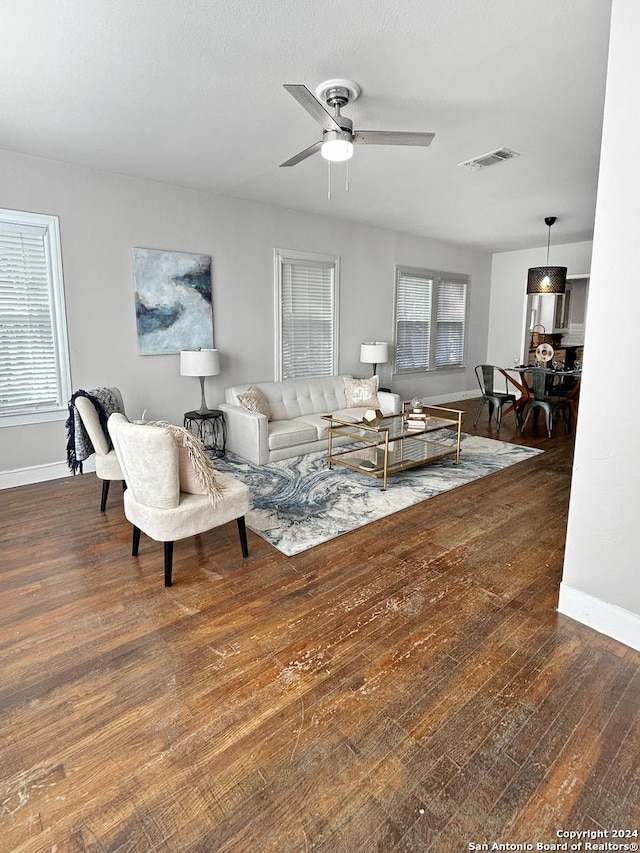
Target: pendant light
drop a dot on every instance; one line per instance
(547, 279)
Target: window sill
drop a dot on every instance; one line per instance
(24, 418)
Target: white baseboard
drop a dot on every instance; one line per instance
(39, 474)
(450, 398)
(609, 619)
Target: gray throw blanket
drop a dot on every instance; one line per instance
(79, 445)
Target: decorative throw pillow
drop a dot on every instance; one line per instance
(189, 480)
(255, 401)
(196, 471)
(362, 392)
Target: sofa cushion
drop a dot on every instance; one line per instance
(361, 392)
(255, 401)
(290, 433)
(353, 415)
(321, 425)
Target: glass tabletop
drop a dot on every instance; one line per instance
(397, 426)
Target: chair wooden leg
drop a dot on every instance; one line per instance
(242, 530)
(105, 493)
(135, 545)
(168, 562)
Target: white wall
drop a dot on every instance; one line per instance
(103, 216)
(601, 582)
(508, 323)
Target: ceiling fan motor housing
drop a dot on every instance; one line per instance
(346, 133)
(330, 135)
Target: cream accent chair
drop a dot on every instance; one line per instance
(153, 502)
(107, 465)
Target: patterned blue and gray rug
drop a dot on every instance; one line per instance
(298, 503)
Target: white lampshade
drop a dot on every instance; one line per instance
(374, 352)
(337, 150)
(200, 362)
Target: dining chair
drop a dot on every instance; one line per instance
(543, 396)
(156, 501)
(496, 398)
(570, 390)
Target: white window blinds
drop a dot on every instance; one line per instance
(430, 320)
(450, 320)
(307, 317)
(413, 322)
(33, 361)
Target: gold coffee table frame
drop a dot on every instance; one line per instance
(388, 446)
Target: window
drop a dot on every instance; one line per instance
(430, 323)
(306, 314)
(34, 364)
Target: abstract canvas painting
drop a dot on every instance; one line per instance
(173, 301)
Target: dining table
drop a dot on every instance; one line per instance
(556, 378)
(536, 382)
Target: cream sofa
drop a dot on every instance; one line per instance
(296, 425)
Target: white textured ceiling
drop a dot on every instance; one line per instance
(189, 92)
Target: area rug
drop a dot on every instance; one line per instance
(299, 502)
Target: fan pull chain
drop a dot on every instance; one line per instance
(346, 178)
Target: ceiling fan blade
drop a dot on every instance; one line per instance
(303, 154)
(312, 105)
(391, 137)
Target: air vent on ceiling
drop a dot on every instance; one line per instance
(490, 159)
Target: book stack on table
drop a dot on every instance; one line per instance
(416, 421)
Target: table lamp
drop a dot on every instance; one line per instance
(200, 363)
(375, 353)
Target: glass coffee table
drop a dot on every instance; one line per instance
(390, 445)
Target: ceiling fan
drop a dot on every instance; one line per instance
(338, 135)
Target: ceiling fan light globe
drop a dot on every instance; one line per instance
(337, 150)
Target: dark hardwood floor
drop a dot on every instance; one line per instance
(407, 687)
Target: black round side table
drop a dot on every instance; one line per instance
(211, 429)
